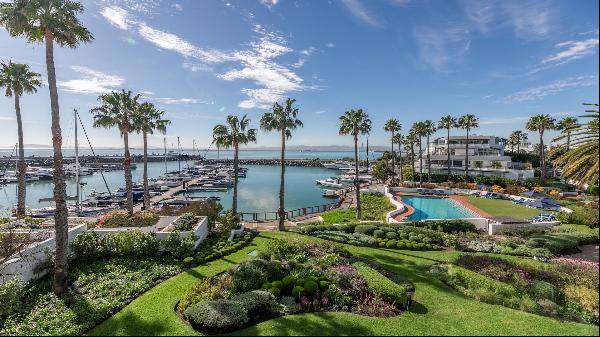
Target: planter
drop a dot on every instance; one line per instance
(200, 230)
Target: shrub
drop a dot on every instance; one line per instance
(541, 290)
(257, 302)
(288, 282)
(217, 316)
(10, 297)
(379, 234)
(121, 218)
(188, 261)
(91, 245)
(288, 306)
(581, 215)
(185, 222)
(391, 244)
(365, 229)
(252, 275)
(311, 287)
(178, 247)
(447, 226)
(381, 285)
(391, 235)
(337, 297)
(200, 291)
(298, 291)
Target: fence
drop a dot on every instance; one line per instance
(271, 216)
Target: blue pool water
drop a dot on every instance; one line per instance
(435, 208)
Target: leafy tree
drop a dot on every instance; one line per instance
(231, 135)
(17, 79)
(382, 170)
(283, 118)
(355, 123)
(49, 21)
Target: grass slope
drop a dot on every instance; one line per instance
(496, 207)
(438, 309)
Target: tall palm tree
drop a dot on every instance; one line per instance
(118, 109)
(392, 126)
(447, 122)
(566, 126)
(429, 129)
(50, 21)
(467, 122)
(355, 123)
(283, 119)
(513, 140)
(399, 139)
(581, 163)
(147, 119)
(540, 123)
(17, 79)
(232, 134)
(419, 129)
(411, 140)
(520, 137)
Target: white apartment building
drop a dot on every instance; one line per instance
(486, 157)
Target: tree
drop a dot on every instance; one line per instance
(232, 134)
(580, 164)
(447, 122)
(392, 126)
(428, 129)
(411, 140)
(50, 21)
(522, 137)
(147, 119)
(17, 80)
(566, 126)
(399, 139)
(118, 109)
(355, 123)
(382, 170)
(419, 130)
(467, 122)
(540, 123)
(283, 119)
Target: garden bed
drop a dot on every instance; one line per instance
(291, 277)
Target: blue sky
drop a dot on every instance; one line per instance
(412, 60)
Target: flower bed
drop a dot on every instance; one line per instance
(120, 218)
(564, 288)
(291, 277)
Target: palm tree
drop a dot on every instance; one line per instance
(48, 21)
(399, 139)
(513, 139)
(355, 123)
(522, 137)
(232, 134)
(147, 119)
(541, 123)
(581, 163)
(429, 129)
(118, 109)
(467, 122)
(392, 126)
(283, 119)
(419, 129)
(447, 122)
(17, 79)
(411, 140)
(566, 126)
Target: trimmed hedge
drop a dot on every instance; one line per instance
(217, 316)
(381, 285)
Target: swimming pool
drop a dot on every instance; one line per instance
(436, 208)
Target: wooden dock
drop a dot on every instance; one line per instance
(170, 193)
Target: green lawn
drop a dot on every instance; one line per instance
(374, 207)
(497, 207)
(438, 308)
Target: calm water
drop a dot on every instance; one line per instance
(435, 208)
(258, 192)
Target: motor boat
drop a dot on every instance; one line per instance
(330, 182)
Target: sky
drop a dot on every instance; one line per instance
(407, 59)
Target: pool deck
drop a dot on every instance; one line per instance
(456, 198)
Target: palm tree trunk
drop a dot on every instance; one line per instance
(61, 227)
(467, 157)
(127, 167)
(146, 192)
(542, 159)
(412, 159)
(21, 167)
(401, 169)
(282, 184)
(356, 182)
(428, 162)
(393, 162)
(420, 162)
(568, 140)
(519, 147)
(448, 154)
(235, 177)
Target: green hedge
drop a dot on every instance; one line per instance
(381, 285)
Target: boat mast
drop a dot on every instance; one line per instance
(77, 175)
(367, 154)
(179, 155)
(165, 156)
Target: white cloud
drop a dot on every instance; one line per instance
(481, 12)
(539, 92)
(117, 16)
(197, 67)
(92, 82)
(331, 45)
(320, 112)
(178, 7)
(356, 8)
(441, 47)
(222, 109)
(269, 3)
(170, 100)
(574, 50)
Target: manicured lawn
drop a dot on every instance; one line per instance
(438, 308)
(374, 207)
(496, 207)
